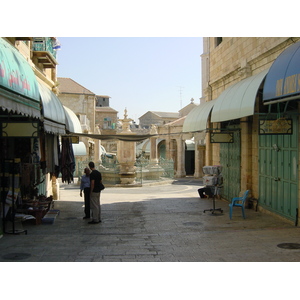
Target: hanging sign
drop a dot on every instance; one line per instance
(278, 126)
(74, 138)
(18, 129)
(221, 137)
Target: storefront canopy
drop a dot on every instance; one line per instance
(196, 120)
(283, 80)
(79, 149)
(238, 100)
(72, 122)
(52, 110)
(18, 85)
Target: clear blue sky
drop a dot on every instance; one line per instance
(139, 73)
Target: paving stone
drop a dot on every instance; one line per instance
(154, 224)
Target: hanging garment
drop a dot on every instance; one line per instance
(67, 160)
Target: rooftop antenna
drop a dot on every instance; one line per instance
(180, 93)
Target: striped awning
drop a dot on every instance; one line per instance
(52, 111)
(19, 91)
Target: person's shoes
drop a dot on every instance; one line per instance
(93, 222)
(86, 218)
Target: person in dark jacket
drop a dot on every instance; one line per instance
(96, 180)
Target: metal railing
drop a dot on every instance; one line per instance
(146, 171)
(44, 44)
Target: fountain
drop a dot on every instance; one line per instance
(126, 154)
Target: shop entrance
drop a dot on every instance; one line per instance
(278, 172)
(230, 159)
(190, 162)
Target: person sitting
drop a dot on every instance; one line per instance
(210, 190)
(206, 192)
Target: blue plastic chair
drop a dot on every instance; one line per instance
(239, 202)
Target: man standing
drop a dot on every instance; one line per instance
(96, 180)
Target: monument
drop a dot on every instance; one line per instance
(126, 154)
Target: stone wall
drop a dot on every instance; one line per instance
(225, 64)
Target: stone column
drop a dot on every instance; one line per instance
(153, 148)
(199, 160)
(180, 158)
(168, 149)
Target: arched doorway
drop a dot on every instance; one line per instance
(189, 162)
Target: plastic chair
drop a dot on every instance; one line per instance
(239, 202)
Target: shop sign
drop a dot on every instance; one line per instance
(74, 139)
(18, 129)
(278, 126)
(221, 137)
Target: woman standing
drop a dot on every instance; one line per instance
(85, 187)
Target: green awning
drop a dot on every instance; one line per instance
(196, 120)
(52, 110)
(238, 100)
(18, 85)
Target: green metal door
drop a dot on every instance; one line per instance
(230, 159)
(278, 172)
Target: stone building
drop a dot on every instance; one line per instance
(249, 112)
(171, 142)
(102, 101)
(106, 119)
(33, 120)
(156, 118)
(82, 102)
(95, 115)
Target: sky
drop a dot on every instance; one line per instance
(140, 74)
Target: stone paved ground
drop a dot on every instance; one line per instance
(160, 223)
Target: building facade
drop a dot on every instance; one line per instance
(157, 118)
(33, 123)
(172, 143)
(244, 121)
(82, 102)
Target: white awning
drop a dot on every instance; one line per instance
(238, 100)
(72, 122)
(196, 120)
(190, 145)
(145, 146)
(79, 149)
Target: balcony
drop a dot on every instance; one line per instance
(43, 51)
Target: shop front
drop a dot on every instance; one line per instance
(232, 115)
(228, 123)
(279, 136)
(19, 118)
(32, 120)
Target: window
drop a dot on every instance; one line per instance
(218, 41)
(107, 124)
